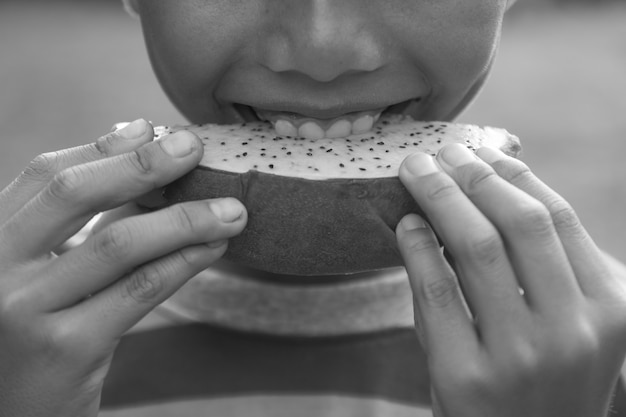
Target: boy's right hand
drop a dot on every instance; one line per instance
(62, 316)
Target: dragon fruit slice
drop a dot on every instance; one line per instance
(319, 207)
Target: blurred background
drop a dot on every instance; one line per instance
(70, 69)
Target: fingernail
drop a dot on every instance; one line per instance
(490, 155)
(420, 164)
(132, 130)
(179, 144)
(216, 244)
(457, 155)
(227, 210)
(412, 222)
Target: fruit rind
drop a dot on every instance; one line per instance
(314, 227)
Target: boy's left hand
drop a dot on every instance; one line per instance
(554, 348)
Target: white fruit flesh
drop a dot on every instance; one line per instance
(375, 154)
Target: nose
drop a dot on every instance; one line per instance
(323, 39)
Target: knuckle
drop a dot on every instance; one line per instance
(141, 160)
(524, 359)
(12, 305)
(113, 242)
(188, 258)
(440, 187)
(475, 176)
(471, 378)
(576, 343)
(419, 242)
(42, 168)
(183, 217)
(514, 171)
(485, 249)
(563, 215)
(533, 217)
(144, 285)
(65, 341)
(441, 292)
(104, 144)
(66, 184)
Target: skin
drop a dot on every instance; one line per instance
(554, 350)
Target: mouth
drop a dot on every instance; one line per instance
(327, 124)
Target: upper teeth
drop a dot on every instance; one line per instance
(288, 124)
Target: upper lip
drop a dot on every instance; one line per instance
(318, 100)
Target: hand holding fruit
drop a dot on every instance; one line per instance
(62, 316)
(553, 350)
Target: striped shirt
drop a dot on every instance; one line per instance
(243, 348)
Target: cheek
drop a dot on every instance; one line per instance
(191, 45)
(455, 46)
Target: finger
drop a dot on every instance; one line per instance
(43, 168)
(531, 240)
(77, 193)
(488, 280)
(586, 259)
(114, 310)
(129, 243)
(445, 326)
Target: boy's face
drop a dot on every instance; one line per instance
(324, 60)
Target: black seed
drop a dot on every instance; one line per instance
(289, 153)
(263, 154)
(330, 150)
(342, 165)
(244, 143)
(271, 166)
(362, 169)
(223, 143)
(245, 154)
(309, 154)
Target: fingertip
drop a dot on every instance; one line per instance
(418, 164)
(228, 210)
(490, 155)
(411, 222)
(133, 130)
(125, 137)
